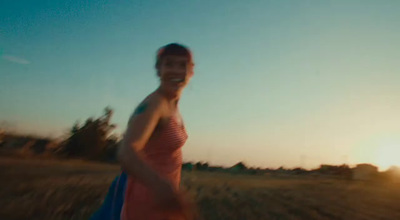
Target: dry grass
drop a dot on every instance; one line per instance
(50, 189)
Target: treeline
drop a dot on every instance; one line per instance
(344, 171)
(92, 140)
(341, 170)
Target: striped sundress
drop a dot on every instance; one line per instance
(163, 153)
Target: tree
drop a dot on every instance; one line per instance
(93, 140)
(201, 166)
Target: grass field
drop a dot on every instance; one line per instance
(73, 189)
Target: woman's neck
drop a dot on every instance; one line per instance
(173, 98)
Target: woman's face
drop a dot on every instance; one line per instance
(175, 73)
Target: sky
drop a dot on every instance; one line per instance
(277, 83)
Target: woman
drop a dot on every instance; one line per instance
(150, 153)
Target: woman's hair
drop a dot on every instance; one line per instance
(173, 49)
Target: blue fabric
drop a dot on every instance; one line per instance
(112, 205)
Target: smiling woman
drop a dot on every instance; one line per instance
(151, 149)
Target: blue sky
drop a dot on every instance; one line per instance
(276, 82)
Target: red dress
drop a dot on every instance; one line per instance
(163, 153)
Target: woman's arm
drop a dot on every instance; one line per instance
(140, 128)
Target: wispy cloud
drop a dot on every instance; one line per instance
(15, 59)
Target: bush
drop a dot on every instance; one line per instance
(93, 140)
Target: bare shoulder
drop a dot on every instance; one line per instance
(153, 103)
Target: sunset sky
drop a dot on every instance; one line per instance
(292, 83)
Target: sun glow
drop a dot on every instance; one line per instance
(387, 156)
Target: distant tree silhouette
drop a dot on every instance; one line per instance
(343, 170)
(201, 166)
(187, 166)
(298, 171)
(92, 140)
(238, 167)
